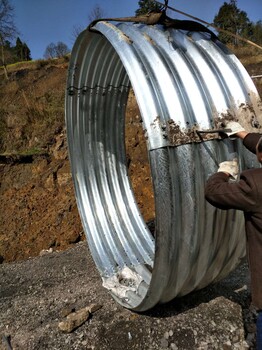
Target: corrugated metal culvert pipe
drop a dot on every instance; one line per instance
(183, 82)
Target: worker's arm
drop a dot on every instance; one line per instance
(250, 141)
(231, 195)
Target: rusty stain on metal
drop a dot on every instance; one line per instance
(121, 35)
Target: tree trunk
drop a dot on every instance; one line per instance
(3, 60)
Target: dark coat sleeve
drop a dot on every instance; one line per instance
(251, 140)
(231, 195)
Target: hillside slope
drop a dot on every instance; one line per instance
(38, 208)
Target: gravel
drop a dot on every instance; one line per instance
(39, 293)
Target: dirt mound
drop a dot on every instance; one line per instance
(38, 209)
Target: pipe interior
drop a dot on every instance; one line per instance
(116, 231)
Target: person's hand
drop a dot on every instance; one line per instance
(235, 127)
(229, 167)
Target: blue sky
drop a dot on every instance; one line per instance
(41, 22)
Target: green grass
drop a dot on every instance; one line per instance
(33, 64)
(28, 152)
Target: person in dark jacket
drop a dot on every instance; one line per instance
(246, 195)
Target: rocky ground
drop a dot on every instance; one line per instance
(38, 296)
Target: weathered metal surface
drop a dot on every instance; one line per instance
(184, 82)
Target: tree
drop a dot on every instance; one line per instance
(19, 48)
(56, 50)
(50, 51)
(232, 19)
(22, 51)
(7, 28)
(146, 6)
(19, 52)
(256, 32)
(9, 54)
(61, 49)
(27, 52)
(76, 31)
(96, 13)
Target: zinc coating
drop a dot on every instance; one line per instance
(183, 82)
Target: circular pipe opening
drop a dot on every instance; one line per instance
(189, 252)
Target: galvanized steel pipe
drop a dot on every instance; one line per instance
(183, 82)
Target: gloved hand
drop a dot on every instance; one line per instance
(230, 167)
(235, 128)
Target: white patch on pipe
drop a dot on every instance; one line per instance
(124, 281)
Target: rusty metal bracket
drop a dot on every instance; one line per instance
(212, 131)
